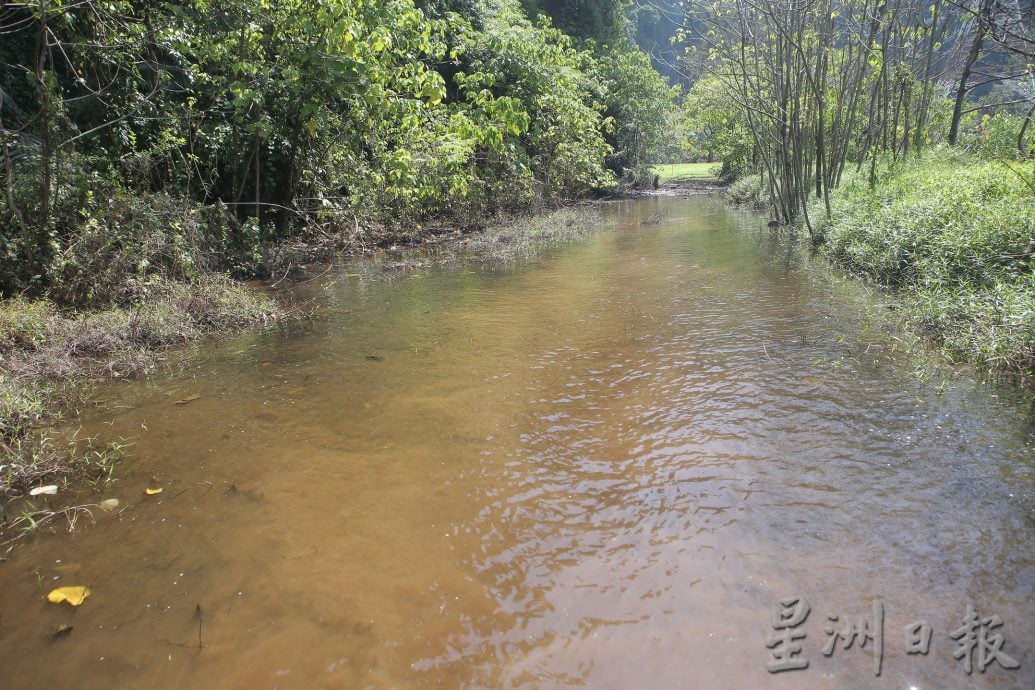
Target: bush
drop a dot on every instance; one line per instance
(995, 136)
(994, 327)
(750, 191)
(952, 232)
(23, 324)
(128, 243)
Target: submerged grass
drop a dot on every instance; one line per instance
(953, 235)
(502, 242)
(46, 354)
(520, 238)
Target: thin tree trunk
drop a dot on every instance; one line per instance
(983, 18)
(1020, 135)
(928, 83)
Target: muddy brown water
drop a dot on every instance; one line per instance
(602, 468)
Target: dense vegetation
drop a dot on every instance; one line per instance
(148, 149)
(899, 135)
(144, 139)
(955, 235)
(802, 92)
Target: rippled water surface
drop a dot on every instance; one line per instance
(599, 469)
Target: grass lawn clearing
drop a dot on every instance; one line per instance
(680, 172)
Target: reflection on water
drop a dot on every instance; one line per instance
(601, 470)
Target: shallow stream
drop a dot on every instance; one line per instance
(602, 468)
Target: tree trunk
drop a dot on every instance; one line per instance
(983, 21)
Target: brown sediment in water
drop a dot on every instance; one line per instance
(600, 468)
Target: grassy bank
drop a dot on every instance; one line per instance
(50, 354)
(953, 236)
(47, 354)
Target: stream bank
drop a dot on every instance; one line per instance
(52, 359)
(606, 463)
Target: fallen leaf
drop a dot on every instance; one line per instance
(189, 398)
(44, 490)
(151, 492)
(73, 595)
(110, 504)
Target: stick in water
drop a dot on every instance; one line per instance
(197, 612)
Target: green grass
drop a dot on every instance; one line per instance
(749, 191)
(686, 172)
(43, 348)
(951, 234)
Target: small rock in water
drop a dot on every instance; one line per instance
(110, 504)
(50, 490)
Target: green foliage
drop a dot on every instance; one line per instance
(805, 91)
(946, 219)
(602, 21)
(535, 77)
(996, 136)
(953, 233)
(290, 114)
(750, 191)
(640, 106)
(126, 243)
(991, 327)
(715, 128)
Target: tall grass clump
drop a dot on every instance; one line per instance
(954, 235)
(749, 191)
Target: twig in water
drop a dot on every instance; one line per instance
(286, 271)
(197, 612)
(309, 280)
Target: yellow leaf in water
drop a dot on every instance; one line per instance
(73, 595)
(152, 492)
(189, 398)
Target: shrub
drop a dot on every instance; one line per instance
(952, 232)
(750, 191)
(128, 243)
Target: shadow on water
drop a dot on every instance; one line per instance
(599, 469)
